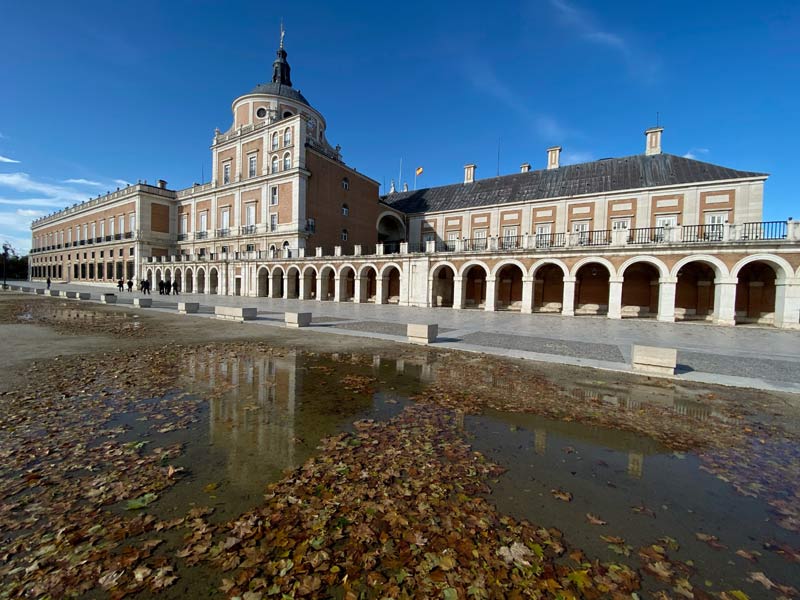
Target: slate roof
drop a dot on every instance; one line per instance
(598, 177)
(279, 89)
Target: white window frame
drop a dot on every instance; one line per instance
(275, 164)
(226, 173)
(225, 218)
(132, 222)
(250, 213)
(273, 222)
(94, 231)
(287, 137)
(344, 235)
(666, 220)
(345, 210)
(287, 161)
(620, 224)
(121, 221)
(273, 195)
(103, 229)
(204, 220)
(252, 165)
(275, 141)
(183, 223)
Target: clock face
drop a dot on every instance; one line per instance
(261, 112)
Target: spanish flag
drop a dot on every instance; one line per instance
(418, 171)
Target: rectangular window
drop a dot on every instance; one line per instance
(204, 220)
(311, 224)
(620, 224)
(273, 222)
(94, 230)
(250, 248)
(111, 226)
(131, 251)
(250, 214)
(102, 229)
(226, 173)
(85, 231)
(509, 238)
(582, 229)
(667, 221)
(273, 195)
(225, 218)
(251, 165)
(69, 236)
(121, 224)
(480, 239)
(184, 224)
(428, 237)
(132, 223)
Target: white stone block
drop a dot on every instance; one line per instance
(651, 359)
(235, 313)
(422, 333)
(186, 308)
(108, 298)
(293, 319)
(143, 302)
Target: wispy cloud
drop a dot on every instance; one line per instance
(48, 202)
(695, 152)
(588, 28)
(5, 159)
(83, 182)
(121, 182)
(22, 182)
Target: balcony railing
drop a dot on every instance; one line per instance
(446, 245)
(550, 240)
(391, 247)
(128, 235)
(600, 237)
(182, 237)
(224, 232)
(476, 244)
(702, 233)
(646, 235)
(767, 230)
(200, 235)
(510, 242)
(247, 230)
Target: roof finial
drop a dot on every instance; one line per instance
(283, 32)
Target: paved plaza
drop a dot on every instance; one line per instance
(748, 356)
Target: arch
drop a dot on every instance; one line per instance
(189, 283)
(308, 291)
(612, 272)
(201, 280)
(779, 264)
(472, 263)
(443, 284)
(640, 289)
(365, 266)
(276, 282)
(368, 275)
(719, 267)
(293, 282)
(347, 283)
(273, 251)
(474, 284)
(548, 285)
(549, 261)
(158, 276)
(390, 229)
(168, 275)
(275, 163)
(262, 282)
(275, 141)
(213, 281)
(592, 286)
(287, 136)
(327, 281)
(390, 275)
(507, 262)
(663, 269)
(287, 161)
(756, 291)
(508, 285)
(695, 287)
(178, 280)
(148, 276)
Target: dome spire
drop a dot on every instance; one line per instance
(281, 71)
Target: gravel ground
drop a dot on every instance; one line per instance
(606, 352)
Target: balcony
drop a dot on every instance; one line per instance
(201, 235)
(247, 230)
(221, 233)
(182, 237)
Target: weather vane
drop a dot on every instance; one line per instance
(282, 33)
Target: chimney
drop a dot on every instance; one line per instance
(524, 167)
(553, 155)
(405, 187)
(162, 184)
(653, 145)
(469, 173)
(391, 188)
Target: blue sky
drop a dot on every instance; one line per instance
(96, 94)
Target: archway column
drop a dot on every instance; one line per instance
(528, 285)
(358, 290)
(787, 305)
(666, 299)
(491, 291)
(337, 290)
(725, 300)
(319, 286)
(285, 285)
(301, 294)
(568, 298)
(271, 286)
(615, 297)
(380, 285)
(458, 291)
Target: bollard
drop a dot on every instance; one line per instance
(295, 320)
(421, 333)
(658, 361)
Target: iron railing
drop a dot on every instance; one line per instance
(765, 230)
(391, 247)
(510, 242)
(248, 229)
(646, 235)
(200, 235)
(446, 245)
(702, 233)
(550, 240)
(476, 244)
(599, 237)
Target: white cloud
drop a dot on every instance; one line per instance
(5, 159)
(83, 182)
(29, 212)
(22, 182)
(122, 182)
(32, 202)
(694, 152)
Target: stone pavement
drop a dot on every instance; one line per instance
(744, 356)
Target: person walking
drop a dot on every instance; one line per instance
(166, 288)
(120, 287)
(48, 283)
(145, 286)
(160, 287)
(130, 286)
(175, 287)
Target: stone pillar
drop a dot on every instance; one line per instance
(337, 291)
(358, 290)
(319, 287)
(491, 293)
(301, 293)
(666, 299)
(615, 297)
(285, 285)
(458, 291)
(725, 300)
(787, 305)
(380, 284)
(568, 299)
(528, 284)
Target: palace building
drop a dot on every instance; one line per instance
(651, 235)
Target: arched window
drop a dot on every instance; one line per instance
(287, 161)
(287, 114)
(345, 210)
(287, 137)
(275, 141)
(275, 164)
(344, 235)
(346, 183)
(272, 251)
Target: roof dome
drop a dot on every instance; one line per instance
(274, 88)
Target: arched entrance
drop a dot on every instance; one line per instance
(475, 287)
(391, 231)
(277, 283)
(327, 282)
(591, 289)
(213, 282)
(755, 293)
(694, 292)
(369, 284)
(309, 284)
(293, 283)
(640, 290)
(391, 285)
(179, 280)
(443, 286)
(262, 286)
(347, 284)
(201, 281)
(149, 276)
(508, 288)
(548, 289)
(189, 283)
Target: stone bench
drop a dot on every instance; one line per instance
(422, 334)
(39, 291)
(143, 302)
(301, 319)
(55, 293)
(658, 361)
(186, 308)
(82, 295)
(235, 313)
(108, 298)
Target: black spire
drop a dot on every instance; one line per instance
(280, 68)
